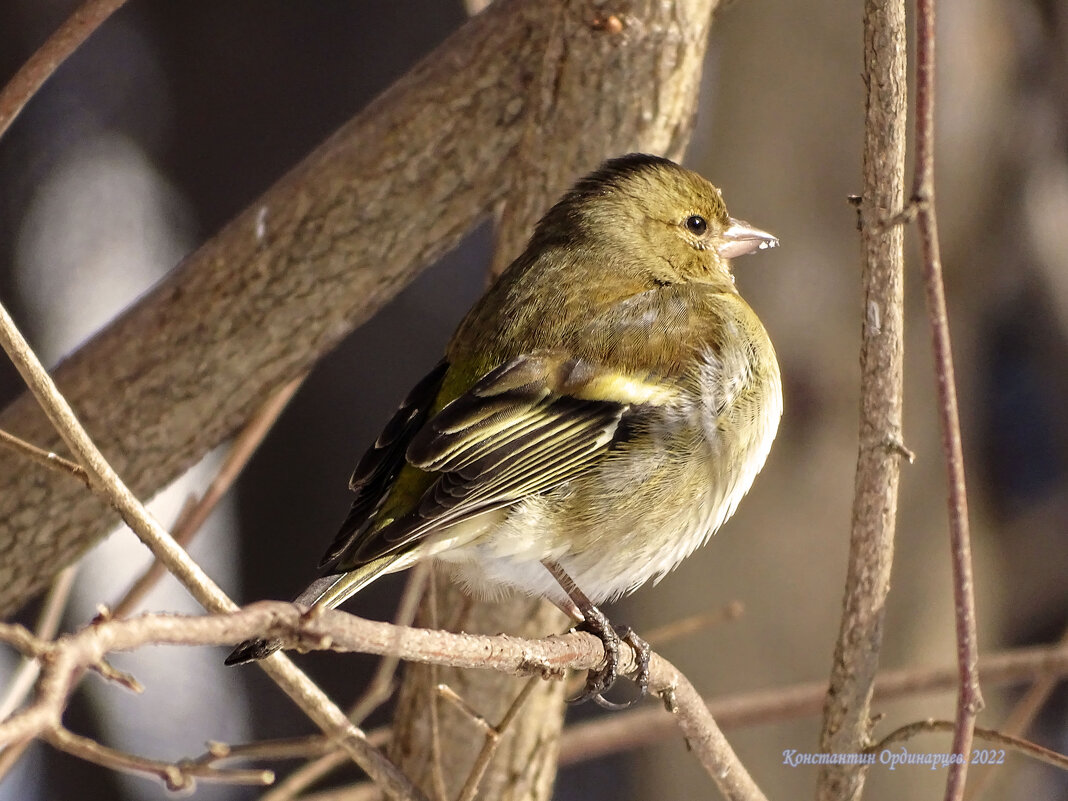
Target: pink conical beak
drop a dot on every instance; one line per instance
(741, 238)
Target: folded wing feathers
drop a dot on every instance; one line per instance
(382, 462)
(396, 433)
(511, 436)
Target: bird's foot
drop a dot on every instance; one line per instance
(599, 682)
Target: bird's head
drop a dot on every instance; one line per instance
(649, 214)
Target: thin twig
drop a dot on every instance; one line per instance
(284, 748)
(24, 641)
(970, 698)
(106, 482)
(307, 775)
(1018, 744)
(10, 756)
(378, 691)
(307, 747)
(30, 668)
(177, 776)
(193, 516)
(1018, 721)
(493, 736)
(43, 457)
(47, 625)
(640, 727)
(43, 64)
(382, 685)
(436, 770)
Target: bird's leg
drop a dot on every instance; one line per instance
(642, 654)
(598, 682)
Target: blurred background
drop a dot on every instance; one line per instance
(175, 116)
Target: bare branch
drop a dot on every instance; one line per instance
(309, 773)
(1025, 747)
(30, 667)
(176, 776)
(382, 685)
(378, 691)
(846, 718)
(492, 734)
(691, 624)
(970, 698)
(337, 630)
(47, 625)
(640, 727)
(43, 457)
(1019, 719)
(437, 782)
(107, 483)
(194, 515)
(42, 64)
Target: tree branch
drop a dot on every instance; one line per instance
(69, 656)
(846, 718)
(633, 729)
(43, 457)
(105, 481)
(970, 698)
(1019, 719)
(645, 725)
(43, 64)
(72, 654)
(1025, 747)
(176, 776)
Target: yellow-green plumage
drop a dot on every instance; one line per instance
(604, 406)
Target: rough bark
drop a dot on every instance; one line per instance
(326, 247)
(847, 721)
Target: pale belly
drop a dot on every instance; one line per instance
(659, 514)
(640, 511)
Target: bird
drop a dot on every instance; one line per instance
(599, 413)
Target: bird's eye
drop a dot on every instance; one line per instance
(696, 224)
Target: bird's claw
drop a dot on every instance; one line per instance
(599, 682)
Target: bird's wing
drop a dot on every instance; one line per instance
(523, 429)
(379, 466)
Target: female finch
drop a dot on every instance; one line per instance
(599, 413)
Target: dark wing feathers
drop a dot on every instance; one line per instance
(382, 462)
(528, 465)
(511, 436)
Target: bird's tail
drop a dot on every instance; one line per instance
(325, 592)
